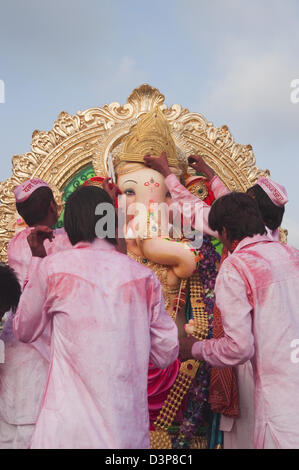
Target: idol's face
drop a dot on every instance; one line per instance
(144, 185)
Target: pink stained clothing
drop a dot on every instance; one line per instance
(198, 210)
(15, 437)
(219, 189)
(108, 321)
(238, 432)
(23, 378)
(24, 372)
(256, 292)
(19, 253)
(273, 234)
(19, 258)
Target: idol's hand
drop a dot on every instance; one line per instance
(158, 163)
(198, 164)
(186, 348)
(111, 188)
(36, 240)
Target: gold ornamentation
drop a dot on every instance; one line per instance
(199, 442)
(57, 155)
(161, 272)
(126, 170)
(189, 368)
(201, 325)
(176, 395)
(198, 189)
(150, 136)
(283, 235)
(160, 440)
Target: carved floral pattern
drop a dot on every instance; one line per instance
(59, 154)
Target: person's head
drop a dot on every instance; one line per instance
(81, 219)
(39, 209)
(35, 203)
(10, 290)
(236, 216)
(271, 199)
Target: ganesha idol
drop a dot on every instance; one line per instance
(174, 260)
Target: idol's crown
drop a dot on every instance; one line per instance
(150, 136)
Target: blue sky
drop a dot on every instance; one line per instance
(231, 60)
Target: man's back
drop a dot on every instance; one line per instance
(24, 373)
(271, 273)
(19, 253)
(108, 318)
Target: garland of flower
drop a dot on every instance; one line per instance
(194, 429)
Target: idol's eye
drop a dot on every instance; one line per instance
(168, 194)
(129, 192)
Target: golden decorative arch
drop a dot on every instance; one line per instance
(74, 142)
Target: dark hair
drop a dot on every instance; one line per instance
(271, 214)
(80, 217)
(36, 207)
(239, 214)
(10, 289)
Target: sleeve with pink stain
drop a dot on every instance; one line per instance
(163, 330)
(199, 209)
(237, 345)
(219, 189)
(31, 317)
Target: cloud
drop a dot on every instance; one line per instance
(252, 57)
(257, 89)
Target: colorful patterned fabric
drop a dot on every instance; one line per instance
(223, 385)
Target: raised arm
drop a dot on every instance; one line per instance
(197, 209)
(163, 330)
(31, 317)
(198, 164)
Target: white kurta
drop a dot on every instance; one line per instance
(256, 292)
(238, 432)
(108, 319)
(23, 374)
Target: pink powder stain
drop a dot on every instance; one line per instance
(64, 285)
(137, 289)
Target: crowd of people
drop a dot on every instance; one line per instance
(83, 320)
